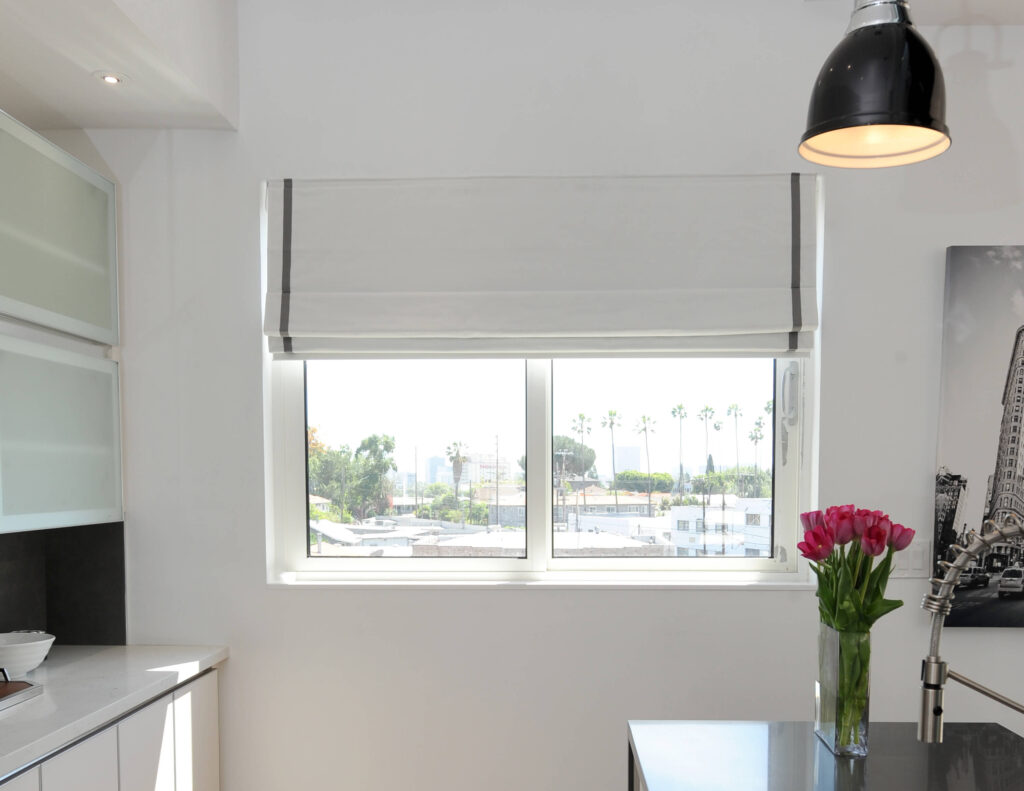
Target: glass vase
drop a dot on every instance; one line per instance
(841, 692)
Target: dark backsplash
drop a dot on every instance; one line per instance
(68, 582)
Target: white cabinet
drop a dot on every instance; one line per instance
(26, 782)
(60, 442)
(173, 743)
(90, 765)
(196, 735)
(146, 748)
(58, 265)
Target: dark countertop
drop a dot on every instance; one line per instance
(688, 755)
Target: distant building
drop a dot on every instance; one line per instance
(405, 484)
(726, 525)
(486, 465)
(439, 470)
(950, 495)
(321, 504)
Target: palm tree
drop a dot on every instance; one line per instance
(645, 426)
(611, 422)
(756, 436)
(456, 457)
(735, 412)
(581, 426)
(706, 415)
(679, 411)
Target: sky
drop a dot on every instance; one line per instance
(428, 404)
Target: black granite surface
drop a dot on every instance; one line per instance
(69, 582)
(787, 756)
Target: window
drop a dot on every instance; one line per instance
(672, 440)
(417, 458)
(443, 318)
(438, 467)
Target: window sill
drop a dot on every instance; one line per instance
(791, 582)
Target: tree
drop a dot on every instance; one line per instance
(645, 426)
(454, 452)
(637, 481)
(706, 415)
(572, 459)
(756, 435)
(679, 412)
(611, 422)
(479, 514)
(581, 426)
(735, 412)
(436, 490)
(371, 485)
(329, 472)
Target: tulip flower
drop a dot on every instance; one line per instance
(812, 519)
(874, 540)
(817, 544)
(900, 537)
(863, 519)
(852, 550)
(840, 521)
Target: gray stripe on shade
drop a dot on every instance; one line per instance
(286, 265)
(794, 200)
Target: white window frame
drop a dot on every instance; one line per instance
(288, 561)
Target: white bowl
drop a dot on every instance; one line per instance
(21, 652)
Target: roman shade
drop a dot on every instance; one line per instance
(541, 266)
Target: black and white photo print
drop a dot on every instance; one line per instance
(980, 474)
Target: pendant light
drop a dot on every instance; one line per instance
(880, 99)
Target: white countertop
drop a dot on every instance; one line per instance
(87, 687)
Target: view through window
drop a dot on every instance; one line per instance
(416, 458)
(650, 458)
(662, 457)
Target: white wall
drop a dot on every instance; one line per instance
(512, 689)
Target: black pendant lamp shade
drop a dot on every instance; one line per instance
(880, 99)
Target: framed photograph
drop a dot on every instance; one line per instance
(980, 472)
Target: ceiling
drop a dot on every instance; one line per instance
(958, 12)
(182, 58)
(179, 69)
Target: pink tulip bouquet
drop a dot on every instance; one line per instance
(851, 551)
(843, 544)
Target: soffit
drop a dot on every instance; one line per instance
(50, 50)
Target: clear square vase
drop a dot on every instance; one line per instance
(841, 692)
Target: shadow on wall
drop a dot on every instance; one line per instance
(981, 171)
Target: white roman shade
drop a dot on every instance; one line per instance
(542, 266)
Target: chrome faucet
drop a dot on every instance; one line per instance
(935, 672)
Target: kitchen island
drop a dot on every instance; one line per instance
(693, 755)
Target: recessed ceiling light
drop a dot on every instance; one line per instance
(110, 77)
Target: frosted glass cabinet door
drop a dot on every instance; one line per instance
(57, 238)
(60, 443)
